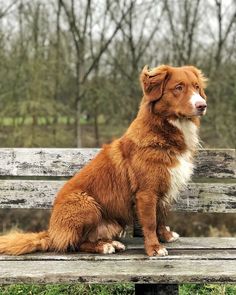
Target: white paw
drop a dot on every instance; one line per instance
(168, 228)
(175, 237)
(108, 249)
(118, 245)
(162, 252)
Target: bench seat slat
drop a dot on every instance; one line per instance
(189, 243)
(198, 197)
(184, 243)
(128, 255)
(196, 260)
(108, 271)
(44, 161)
(190, 248)
(214, 163)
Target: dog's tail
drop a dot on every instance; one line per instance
(16, 243)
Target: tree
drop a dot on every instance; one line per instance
(86, 61)
(183, 21)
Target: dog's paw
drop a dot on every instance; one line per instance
(174, 237)
(108, 248)
(167, 236)
(112, 247)
(156, 250)
(162, 252)
(118, 246)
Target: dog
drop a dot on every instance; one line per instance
(142, 172)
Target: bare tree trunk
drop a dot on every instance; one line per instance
(78, 129)
(78, 124)
(182, 28)
(79, 31)
(8, 8)
(56, 89)
(96, 126)
(222, 36)
(34, 125)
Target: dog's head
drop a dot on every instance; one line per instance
(175, 91)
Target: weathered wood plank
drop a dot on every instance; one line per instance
(208, 197)
(28, 193)
(109, 271)
(214, 197)
(133, 255)
(189, 243)
(217, 163)
(185, 248)
(43, 162)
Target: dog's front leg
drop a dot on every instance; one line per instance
(146, 202)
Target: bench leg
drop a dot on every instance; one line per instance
(156, 289)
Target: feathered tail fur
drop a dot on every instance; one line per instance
(16, 243)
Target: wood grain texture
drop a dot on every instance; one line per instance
(214, 163)
(199, 197)
(111, 271)
(208, 197)
(43, 162)
(127, 255)
(190, 260)
(185, 248)
(190, 243)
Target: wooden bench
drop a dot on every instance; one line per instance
(30, 178)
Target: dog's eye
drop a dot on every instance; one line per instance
(197, 87)
(179, 87)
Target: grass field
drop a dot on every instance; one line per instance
(56, 135)
(80, 289)
(118, 289)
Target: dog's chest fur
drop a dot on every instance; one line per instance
(181, 173)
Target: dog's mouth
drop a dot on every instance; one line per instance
(194, 113)
(201, 112)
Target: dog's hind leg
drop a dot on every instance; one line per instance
(103, 247)
(71, 217)
(101, 238)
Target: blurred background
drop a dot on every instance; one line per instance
(69, 77)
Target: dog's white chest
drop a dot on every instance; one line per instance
(180, 175)
(182, 172)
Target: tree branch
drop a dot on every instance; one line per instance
(107, 43)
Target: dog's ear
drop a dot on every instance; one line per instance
(202, 80)
(153, 82)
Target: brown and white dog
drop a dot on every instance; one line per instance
(145, 169)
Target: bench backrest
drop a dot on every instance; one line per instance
(30, 178)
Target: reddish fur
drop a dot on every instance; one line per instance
(97, 203)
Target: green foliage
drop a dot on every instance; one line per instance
(221, 117)
(112, 289)
(208, 289)
(80, 289)
(50, 134)
(44, 58)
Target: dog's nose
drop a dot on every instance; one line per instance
(200, 105)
